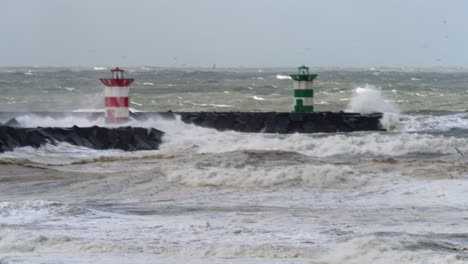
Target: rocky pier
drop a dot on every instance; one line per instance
(277, 122)
(14, 134)
(125, 138)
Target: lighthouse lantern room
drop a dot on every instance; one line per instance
(303, 92)
(116, 97)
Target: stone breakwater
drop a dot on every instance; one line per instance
(278, 122)
(13, 134)
(125, 138)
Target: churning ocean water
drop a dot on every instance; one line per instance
(399, 196)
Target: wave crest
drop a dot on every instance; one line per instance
(36, 210)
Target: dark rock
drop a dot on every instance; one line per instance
(224, 122)
(141, 144)
(155, 137)
(112, 139)
(34, 139)
(283, 123)
(269, 122)
(126, 138)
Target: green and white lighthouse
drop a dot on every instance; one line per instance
(303, 92)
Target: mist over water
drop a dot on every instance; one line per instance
(226, 197)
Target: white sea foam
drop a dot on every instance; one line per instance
(32, 120)
(29, 242)
(36, 210)
(221, 105)
(215, 105)
(433, 123)
(135, 103)
(258, 98)
(139, 258)
(261, 176)
(385, 250)
(101, 110)
(62, 153)
(283, 77)
(70, 89)
(390, 121)
(133, 110)
(441, 192)
(204, 253)
(182, 136)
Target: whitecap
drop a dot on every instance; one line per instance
(220, 105)
(70, 89)
(323, 103)
(133, 110)
(135, 103)
(283, 77)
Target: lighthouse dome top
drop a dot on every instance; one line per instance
(303, 74)
(117, 69)
(118, 78)
(303, 69)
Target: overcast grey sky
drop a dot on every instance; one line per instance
(252, 33)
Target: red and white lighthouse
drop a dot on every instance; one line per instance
(116, 97)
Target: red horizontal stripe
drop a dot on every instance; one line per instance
(116, 101)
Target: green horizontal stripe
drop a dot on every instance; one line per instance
(303, 108)
(303, 93)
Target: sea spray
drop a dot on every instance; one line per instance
(390, 121)
(369, 99)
